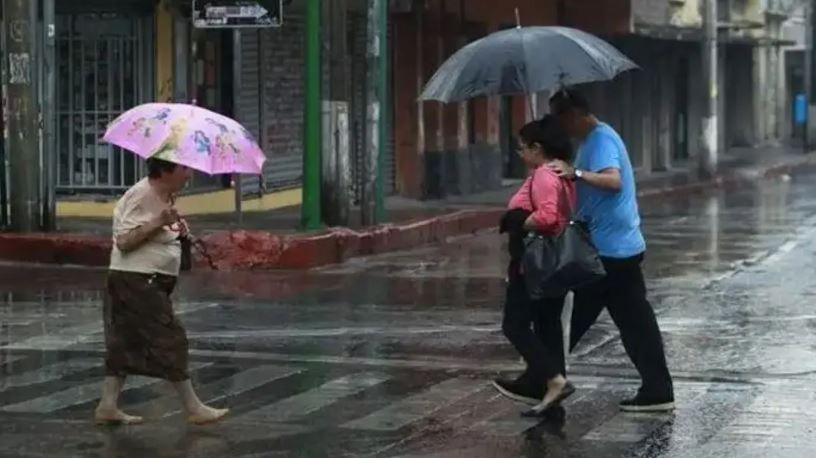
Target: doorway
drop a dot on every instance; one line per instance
(681, 130)
(104, 67)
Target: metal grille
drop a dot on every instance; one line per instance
(248, 110)
(357, 45)
(104, 68)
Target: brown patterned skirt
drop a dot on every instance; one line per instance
(142, 334)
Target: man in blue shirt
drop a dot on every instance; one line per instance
(607, 202)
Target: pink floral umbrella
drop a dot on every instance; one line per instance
(188, 135)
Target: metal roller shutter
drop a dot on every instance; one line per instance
(357, 117)
(389, 172)
(282, 73)
(249, 102)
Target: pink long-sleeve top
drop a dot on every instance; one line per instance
(550, 218)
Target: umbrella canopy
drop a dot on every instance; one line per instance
(525, 60)
(188, 135)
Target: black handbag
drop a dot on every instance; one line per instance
(553, 265)
(186, 254)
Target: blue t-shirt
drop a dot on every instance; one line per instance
(613, 217)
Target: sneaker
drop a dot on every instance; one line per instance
(641, 403)
(520, 390)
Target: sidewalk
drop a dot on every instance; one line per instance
(271, 240)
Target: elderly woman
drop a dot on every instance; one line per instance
(142, 334)
(537, 207)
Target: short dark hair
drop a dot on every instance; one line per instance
(157, 167)
(548, 133)
(567, 100)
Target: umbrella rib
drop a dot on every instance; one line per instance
(581, 45)
(526, 77)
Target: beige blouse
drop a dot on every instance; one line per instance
(162, 253)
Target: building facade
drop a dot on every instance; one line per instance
(112, 55)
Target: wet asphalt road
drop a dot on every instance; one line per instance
(392, 356)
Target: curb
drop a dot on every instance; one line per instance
(55, 249)
(259, 250)
(730, 180)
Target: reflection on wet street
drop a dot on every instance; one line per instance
(392, 355)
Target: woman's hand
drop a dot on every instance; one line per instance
(168, 217)
(562, 169)
(530, 224)
(183, 228)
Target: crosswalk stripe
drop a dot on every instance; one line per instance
(509, 422)
(416, 407)
(222, 389)
(8, 321)
(627, 427)
(79, 394)
(631, 427)
(301, 405)
(8, 359)
(86, 332)
(47, 373)
(770, 422)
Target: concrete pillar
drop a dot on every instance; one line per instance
(664, 127)
(432, 113)
(21, 114)
(711, 92)
(336, 157)
(165, 81)
(722, 100)
(781, 84)
(770, 91)
(408, 81)
(760, 83)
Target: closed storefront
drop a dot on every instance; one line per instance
(272, 99)
(105, 56)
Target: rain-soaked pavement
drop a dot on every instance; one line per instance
(392, 356)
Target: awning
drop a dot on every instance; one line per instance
(727, 35)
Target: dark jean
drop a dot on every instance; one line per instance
(623, 293)
(542, 349)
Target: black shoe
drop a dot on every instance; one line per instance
(520, 390)
(641, 403)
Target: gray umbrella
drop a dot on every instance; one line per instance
(525, 60)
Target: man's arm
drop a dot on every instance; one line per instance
(601, 165)
(607, 179)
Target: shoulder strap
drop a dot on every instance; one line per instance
(564, 203)
(530, 190)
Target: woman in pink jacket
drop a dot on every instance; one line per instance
(538, 206)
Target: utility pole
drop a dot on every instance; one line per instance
(373, 191)
(237, 85)
(311, 215)
(710, 143)
(336, 159)
(49, 37)
(810, 69)
(385, 109)
(22, 130)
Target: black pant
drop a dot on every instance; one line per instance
(542, 350)
(623, 293)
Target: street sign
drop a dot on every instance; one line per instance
(232, 14)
